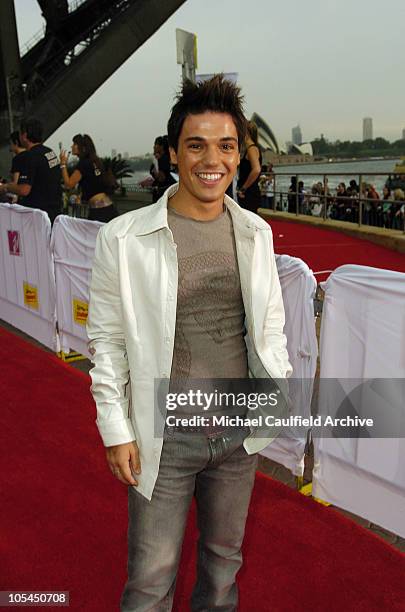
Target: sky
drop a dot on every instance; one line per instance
(322, 64)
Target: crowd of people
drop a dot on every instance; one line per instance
(342, 203)
(38, 175)
(380, 210)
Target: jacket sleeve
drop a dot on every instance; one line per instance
(275, 317)
(110, 374)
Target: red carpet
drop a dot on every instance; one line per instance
(63, 517)
(324, 249)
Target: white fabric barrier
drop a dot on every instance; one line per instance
(362, 337)
(27, 281)
(298, 286)
(73, 243)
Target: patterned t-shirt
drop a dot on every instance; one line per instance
(209, 339)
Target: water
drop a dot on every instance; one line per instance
(354, 168)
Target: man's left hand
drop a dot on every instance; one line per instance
(124, 462)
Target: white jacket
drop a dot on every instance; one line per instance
(132, 319)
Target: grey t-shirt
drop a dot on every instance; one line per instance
(210, 313)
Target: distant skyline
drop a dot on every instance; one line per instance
(296, 135)
(367, 128)
(321, 65)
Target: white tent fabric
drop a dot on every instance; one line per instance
(362, 337)
(27, 281)
(298, 286)
(73, 243)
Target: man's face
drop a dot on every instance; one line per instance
(207, 156)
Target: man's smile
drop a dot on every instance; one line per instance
(210, 178)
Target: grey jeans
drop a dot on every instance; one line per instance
(220, 473)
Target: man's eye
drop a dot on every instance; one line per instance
(227, 147)
(195, 146)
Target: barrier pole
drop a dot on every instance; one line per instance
(307, 491)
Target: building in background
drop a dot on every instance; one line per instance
(126, 155)
(266, 137)
(296, 135)
(113, 152)
(403, 133)
(305, 148)
(367, 128)
(272, 152)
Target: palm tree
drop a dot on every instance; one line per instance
(119, 168)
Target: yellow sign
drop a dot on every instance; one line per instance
(80, 311)
(31, 296)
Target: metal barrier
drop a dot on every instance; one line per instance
(356, 208)
(136, 188)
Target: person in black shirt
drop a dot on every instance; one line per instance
(96, 184)
(292, 195)
(39, 182)
(249, 195)
(162, 174)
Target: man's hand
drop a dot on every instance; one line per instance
(124, 461)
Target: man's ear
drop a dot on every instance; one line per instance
(173, 156)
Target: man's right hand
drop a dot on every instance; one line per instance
(123, 460)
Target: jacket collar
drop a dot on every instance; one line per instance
(154, 217)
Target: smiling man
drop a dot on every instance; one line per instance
(185, 289)
(207, 155)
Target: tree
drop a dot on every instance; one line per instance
(118, 169)
(398, 145)
(381, 143)
(118, 166)
(320, 146)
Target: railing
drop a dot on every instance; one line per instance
(136, 188)
(31, 42)
(326, 203)
(71, 51)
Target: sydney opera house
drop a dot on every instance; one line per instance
(270, 146)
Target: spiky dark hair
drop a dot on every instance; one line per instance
(217, 95)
